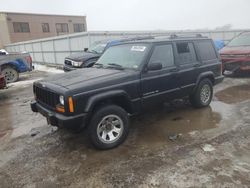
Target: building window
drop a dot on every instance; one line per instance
(62, 28)
(79, 28)
(21, 27)
(45, 27)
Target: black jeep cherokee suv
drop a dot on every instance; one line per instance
(128, 78)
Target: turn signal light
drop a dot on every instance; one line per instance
(71, 105)
(60, 109)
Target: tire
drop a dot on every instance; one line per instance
(109, 127)
(203, 94)
(10, 74)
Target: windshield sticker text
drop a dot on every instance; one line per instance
(138, 48)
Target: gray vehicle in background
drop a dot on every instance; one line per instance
(12, 64)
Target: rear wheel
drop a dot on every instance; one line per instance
(10, 74)
(109, 127)
(203, 94)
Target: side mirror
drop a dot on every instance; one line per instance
(85, 49)
(155, 66)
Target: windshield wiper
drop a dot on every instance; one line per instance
(115, 65)
(98, 65)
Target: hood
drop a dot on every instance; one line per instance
(83, 56)
(235, 50)
(90, 78)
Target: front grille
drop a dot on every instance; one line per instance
(68, 62)
(231, 66)
(47, 97)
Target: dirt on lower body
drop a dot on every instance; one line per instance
(173, 145)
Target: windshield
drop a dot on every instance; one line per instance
(124, 56)
(242, 40)
(97, 47)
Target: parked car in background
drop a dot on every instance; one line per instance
(219, 44)
(235, 55)
(12, 64)
(88, 57)
(128, 78)
(2, 81)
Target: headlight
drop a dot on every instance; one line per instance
(76, 64)
(61, 100)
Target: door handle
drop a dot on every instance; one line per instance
(197, 65)
(174, 70)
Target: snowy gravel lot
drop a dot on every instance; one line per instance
(171, 146)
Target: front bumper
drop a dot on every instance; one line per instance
(57, 119)
(233, 64)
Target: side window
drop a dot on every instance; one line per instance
(186, 52)
(207, 51)
(163, 54)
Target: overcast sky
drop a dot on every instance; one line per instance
(143, 14)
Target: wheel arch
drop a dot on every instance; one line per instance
(12, 64)
(209, 75)
(117, 97)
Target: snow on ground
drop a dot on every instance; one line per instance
(23, 83)
(25, 80)
(45, 68)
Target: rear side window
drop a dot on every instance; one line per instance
(207, 51)
(186, 52)
(163, 54)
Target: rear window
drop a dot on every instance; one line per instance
(186, 52)
(207, 51)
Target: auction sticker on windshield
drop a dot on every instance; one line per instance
(138, 48)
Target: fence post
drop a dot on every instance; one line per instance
(89, 40)
(70, 50)
(54, 51)
(42, 51)
(32, 48)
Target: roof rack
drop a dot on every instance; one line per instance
(138, 38)
(173, 36)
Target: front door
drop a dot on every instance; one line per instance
(160, 85)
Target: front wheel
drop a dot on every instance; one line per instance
(109, 127)
(10, 74)
(203, 94)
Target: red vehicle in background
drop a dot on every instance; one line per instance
(2, 81)
(235, 55)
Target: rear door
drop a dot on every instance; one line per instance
(189, 66)
(160, 85)
(208, 57)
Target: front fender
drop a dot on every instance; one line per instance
(93, 100)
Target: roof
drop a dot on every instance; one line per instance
(40, 14)
(171, 38)
(119, 40)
